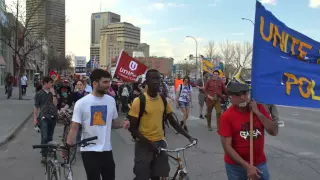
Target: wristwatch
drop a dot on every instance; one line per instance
(54, 95)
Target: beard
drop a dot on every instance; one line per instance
(243, 104)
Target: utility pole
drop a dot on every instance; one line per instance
(16, 43)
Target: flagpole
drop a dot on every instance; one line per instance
(115, 69)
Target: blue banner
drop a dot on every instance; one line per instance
(285, 65)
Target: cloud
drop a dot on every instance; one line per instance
(135, 20)
(272, 2)
(157, 6)
(160, 6)
(177, 50)
(314, 3)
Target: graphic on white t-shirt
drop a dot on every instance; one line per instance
(98, 115)
(185, 93)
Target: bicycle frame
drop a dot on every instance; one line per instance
(53, 159)
(180, 168)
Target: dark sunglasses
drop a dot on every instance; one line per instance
(239, 93)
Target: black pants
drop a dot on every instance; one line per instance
(24, 89)
(47, 126)
(124, 104)
(147, 166)
(99, 165)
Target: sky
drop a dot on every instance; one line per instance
(166, 23)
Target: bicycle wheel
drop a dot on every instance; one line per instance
(184, 177)
(52, 172)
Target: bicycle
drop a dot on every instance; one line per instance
(181, 173)
(52, 165)
(65, 118)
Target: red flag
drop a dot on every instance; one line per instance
(54, 75)
(128, 69)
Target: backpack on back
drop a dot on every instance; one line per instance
(181, 88)
(143, 110)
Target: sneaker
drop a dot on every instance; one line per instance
(201, 117)
(43, 160)
(280, 124)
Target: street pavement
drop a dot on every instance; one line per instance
(291, 155)
(14, 112)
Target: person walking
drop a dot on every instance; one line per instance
(202, 95)
(97, 114)
(46, 104)
(184, 100)
(235, 135)
(148, 129)
(214, 89)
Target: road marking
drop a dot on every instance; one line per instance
(307, 109)
(295, 114)
(306, 153)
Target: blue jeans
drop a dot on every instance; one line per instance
(183, 104)
(47, 126)
(237, 172)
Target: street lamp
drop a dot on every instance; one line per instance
(246, 19)
(196, 52)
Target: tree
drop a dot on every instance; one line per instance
(18, 34)
(58, 62)
(227, 53)
(210, 50)
(243, 55)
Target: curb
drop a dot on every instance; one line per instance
(14, 131)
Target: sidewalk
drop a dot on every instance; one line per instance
(14, 113)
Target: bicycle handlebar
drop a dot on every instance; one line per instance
(84, 142)
(179, 149)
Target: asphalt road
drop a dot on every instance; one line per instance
(292, 155)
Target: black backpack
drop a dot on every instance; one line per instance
(143, 110)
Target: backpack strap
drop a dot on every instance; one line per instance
(142, 98)
(180, 89)
(164, 118)
(142, 110)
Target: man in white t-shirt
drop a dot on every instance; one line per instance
(24, 83)
(96, 113)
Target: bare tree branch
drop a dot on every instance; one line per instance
(210, 50)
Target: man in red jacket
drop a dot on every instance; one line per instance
(214, 89)
(235, 135)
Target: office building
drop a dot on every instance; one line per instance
(114, 38)
(164, 65)
(98, 21)
(51, 17)
(144, 48)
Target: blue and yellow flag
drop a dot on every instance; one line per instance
(207, 66)
(285, 67)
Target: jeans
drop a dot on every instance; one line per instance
(47, 126)
(124, 104)
(237, 172)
